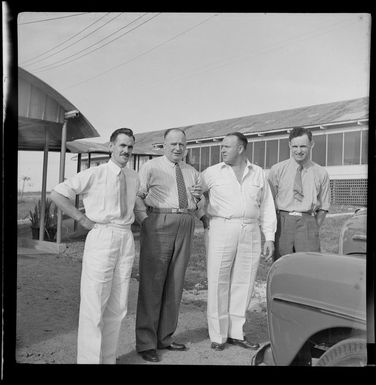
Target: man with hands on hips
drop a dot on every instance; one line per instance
(239, 203)
(109, 195)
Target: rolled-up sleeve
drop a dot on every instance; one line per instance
(77, 184)
(268, 218)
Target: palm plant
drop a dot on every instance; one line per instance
(50, 218)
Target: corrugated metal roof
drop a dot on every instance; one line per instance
(41, 107)
(342, 111)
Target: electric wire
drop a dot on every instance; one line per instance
(143, 53)
(65, 41)
(53, 18)
(59, 63)
(279, 45)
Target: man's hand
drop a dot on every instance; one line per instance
(268, 250)
(196, 191)
(85, 222)
(205, 221)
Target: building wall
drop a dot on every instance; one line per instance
(342, 151)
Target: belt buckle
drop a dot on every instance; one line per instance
(295, 213)
(174, 210)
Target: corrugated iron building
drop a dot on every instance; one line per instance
(340, 133)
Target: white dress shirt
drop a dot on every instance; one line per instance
(249, 199)
(101, 193)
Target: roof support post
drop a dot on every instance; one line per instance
(44, 183)
(77, 202)
(61, 176)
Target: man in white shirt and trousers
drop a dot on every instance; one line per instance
(109, 195)
(239, 203)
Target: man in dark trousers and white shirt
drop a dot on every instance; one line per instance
(170, 190)
(301, 190)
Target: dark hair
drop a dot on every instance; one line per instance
(173, 129)
(116, 133)
(300, 131)
(242, 138)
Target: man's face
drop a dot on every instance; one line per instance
(121, 150)
(230, 149)
(300, 147)
(174, 146)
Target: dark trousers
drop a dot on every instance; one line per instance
(296, 233)
(164, 254)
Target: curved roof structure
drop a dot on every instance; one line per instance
(41, 109)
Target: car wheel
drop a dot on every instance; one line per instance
(350, 352)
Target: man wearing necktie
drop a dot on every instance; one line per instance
(301, 190)
(109, 194)
(169, 192)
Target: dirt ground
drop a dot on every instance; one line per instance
(47, 317)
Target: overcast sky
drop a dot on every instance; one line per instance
(152, 71)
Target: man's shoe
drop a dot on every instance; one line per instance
(243, 343)
(216, 346)
(149, 355)
(175, 347)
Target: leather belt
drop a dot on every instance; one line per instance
(169, 211)
(297, 213)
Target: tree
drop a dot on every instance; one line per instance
(24, 180)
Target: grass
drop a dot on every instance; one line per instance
(195, 276)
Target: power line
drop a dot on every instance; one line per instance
(65, 41)
(279, 45)
(53, 18)
(70, 45)
(59, 63)
(143, 53)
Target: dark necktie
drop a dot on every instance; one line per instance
(182, 192)
(298, 187)
(122, 194)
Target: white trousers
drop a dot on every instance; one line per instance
(106, 270)
(233, 255)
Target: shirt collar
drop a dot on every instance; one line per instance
(305, 165)
(114, 167)
(248, 165)
(168, 161)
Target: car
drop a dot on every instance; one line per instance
(316, 305)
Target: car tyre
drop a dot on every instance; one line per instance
(349, 352)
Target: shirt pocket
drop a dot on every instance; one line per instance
(253, 191)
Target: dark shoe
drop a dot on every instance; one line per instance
(243, 343)
(149, 355)
(175, 347)
(218, 347)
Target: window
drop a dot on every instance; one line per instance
(284, 149)
(319, 149)
(364, 147)
(249, 151)
(335, 149)
(204, 158)
(195, 158)
(271, 153)
(351, 152)
(214, 155)
(259, 153)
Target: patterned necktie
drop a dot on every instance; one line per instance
(182, 192)
(122, 194)
(298, 187)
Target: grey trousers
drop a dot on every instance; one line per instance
(164, 254)
(296, 233)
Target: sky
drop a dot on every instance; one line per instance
(152, 71)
